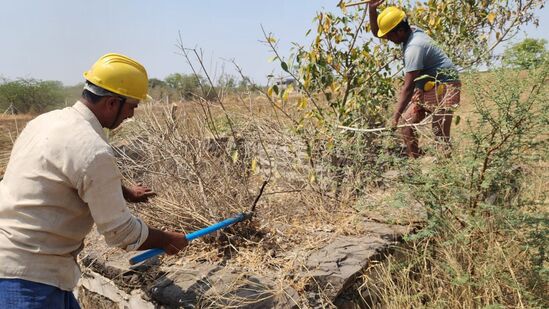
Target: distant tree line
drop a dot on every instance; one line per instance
(179, 86)
(30, 95)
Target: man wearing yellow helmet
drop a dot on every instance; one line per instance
(62, 179)
(431, 82)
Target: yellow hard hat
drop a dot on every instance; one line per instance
(389, 19)
(119, 74)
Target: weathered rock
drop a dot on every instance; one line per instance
(105, 287)
(182, 286)
(388, 232)
(208, 285)
(335, 267)
(236, 289)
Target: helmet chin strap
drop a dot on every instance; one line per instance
(120, 106)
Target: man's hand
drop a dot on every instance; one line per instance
(171, 242)
(374, 27)
(138, 193)
(174, 242)
(375, 4)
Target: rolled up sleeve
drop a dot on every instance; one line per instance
(101, 188)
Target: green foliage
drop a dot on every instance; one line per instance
(468, 31)
(530, 53)
(344, 68)
(347, 78)
(192, 86)
(31, 96)
(513, 112)
(155, 83)
(187, 85)
(485, 239)
(73, 93)
(227, 82)
(159, 90)
(342, 78)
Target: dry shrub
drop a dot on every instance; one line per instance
(205, 170)
(194, 172)
(445, 273)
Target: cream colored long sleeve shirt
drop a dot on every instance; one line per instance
(61, 179)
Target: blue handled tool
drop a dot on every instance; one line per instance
(210, 229)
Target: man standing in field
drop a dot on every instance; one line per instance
(431, 83)
(61, 179)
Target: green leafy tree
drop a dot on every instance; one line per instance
(243, 84)
(31, 95)
(530, 53)
(227, 82)
(186, 85)
(156, 83)
(73, 93)
(346, 77)
(159, 90)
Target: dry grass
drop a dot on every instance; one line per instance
(207, 163)
(455, 274)
(10, 127)
(493, 262)
(204, 174)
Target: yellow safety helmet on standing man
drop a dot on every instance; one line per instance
(389, 19)
(119, 74)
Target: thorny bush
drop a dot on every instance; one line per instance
(486, 235)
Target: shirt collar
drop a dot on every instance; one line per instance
(89, 116)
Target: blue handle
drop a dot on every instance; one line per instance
(194, 235)
(215, 227)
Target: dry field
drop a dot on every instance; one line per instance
(204, 171)
(207, 162)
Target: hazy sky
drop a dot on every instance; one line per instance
(59, 39)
